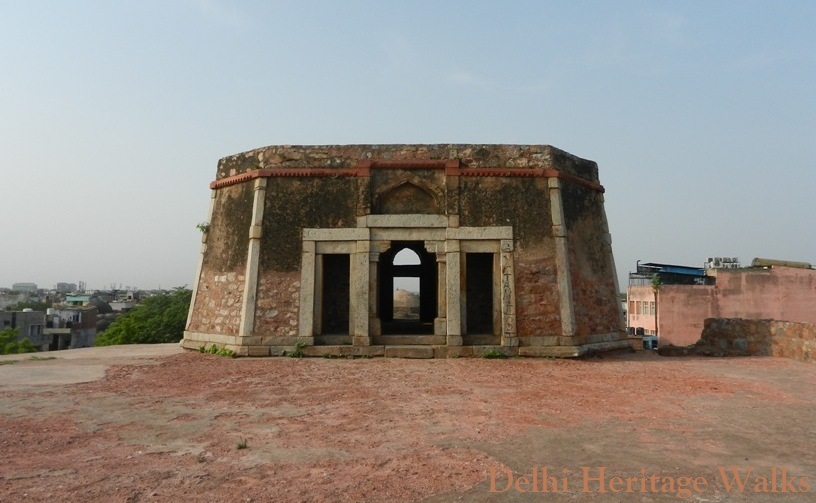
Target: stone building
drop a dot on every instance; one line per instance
(513, 244)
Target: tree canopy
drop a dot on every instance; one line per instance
(9, 344)
(157, 319)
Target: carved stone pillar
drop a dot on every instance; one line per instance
(508, 295)
(359, 302)
(374, 316)
(437, 248)
(308, 273)
(453, 290)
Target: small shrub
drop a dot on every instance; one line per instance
(298, 352)
(215, 350)
(242, 444)
(494, 353)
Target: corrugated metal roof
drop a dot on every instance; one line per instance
(654, 267)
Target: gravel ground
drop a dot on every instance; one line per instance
(194, 427)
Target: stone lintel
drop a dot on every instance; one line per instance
(473, 233)
(410, 221)
(479, 246)
(334, 247)
(344, 234)
(408, 234)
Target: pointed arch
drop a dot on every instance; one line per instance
(409, 195)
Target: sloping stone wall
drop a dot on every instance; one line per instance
(278, 211)
(743, 337)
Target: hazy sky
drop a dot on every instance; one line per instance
(113, 115)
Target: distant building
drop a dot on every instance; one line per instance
(24, 287)
(66, 287)
(770, 289)
(70, 327)
(406, 305)
(121, 307)
(29, 325)
(12, 298)
(77, 300)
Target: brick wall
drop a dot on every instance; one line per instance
(744, 337)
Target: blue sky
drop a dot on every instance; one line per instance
(113, 115)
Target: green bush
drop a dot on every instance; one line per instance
(215, 350)
(157, 319)
(9, 345)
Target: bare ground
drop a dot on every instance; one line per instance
(168, 428)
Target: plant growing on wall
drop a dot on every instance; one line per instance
(204, 227)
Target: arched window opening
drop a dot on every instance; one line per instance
(406, 288)
(408, 278)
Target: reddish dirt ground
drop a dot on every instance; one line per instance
(388, 430)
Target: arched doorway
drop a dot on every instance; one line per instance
(416, 269)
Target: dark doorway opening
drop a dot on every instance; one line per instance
(479, 294)
(335, 297)
(395, 318)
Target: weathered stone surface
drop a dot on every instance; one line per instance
(536, 209)
(744, 337)
(409, 352)
(748, 337)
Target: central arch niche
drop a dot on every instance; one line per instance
(425, 271)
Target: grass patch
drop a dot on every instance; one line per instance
(214, 350)
(42, 358)
(8, 362)
(298, 352)
(494, 353)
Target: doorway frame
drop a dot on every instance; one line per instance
(373, 236)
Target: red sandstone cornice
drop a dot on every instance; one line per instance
(452, 167)
(269, 173)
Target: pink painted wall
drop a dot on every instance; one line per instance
(640, 294)
(682, 309)
(780, 293)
